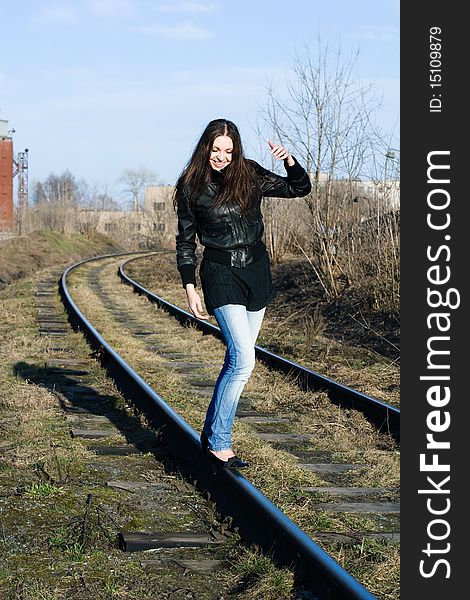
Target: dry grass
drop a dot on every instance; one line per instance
(45, 476)
(257, 579)
(296, 333)
(347, 435)
(31, 415)
(25, 255)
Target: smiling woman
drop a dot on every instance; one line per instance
(218, 198)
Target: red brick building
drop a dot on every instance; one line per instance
(6, 177)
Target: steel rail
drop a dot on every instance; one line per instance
(384, 416)
(259, 520)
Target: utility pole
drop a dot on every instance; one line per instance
(21, 169)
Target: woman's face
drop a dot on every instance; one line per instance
(221, 152)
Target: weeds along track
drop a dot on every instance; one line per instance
(322, 493)
(126, 483)
(385, 417)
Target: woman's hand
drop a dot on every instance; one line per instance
(281, 153)
(194, 302)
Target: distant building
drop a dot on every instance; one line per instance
(159, 216)
(387, 192)
(6, 178)
(153, 226)
(156, 224)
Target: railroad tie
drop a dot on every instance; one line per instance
(86, 417)
(348, 491)
(260, 419)
(348, 506)
(62, 371)
(287, 438)
(50, 317)
(355, 536)
(133, 486)
(53, 332)
(93, 434)
(138, 541)
(83, 391)
(331, 468)
(184, 367)
(58, 362)
(361, 507)
(117, 450)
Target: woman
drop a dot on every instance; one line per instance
(218, 197)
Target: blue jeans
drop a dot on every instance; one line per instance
(240, 328)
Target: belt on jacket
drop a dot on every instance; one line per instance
(238, 257)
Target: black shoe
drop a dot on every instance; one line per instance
(232, 463)
(236, 463)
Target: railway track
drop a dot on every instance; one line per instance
(127, 460)
(385, 417)
(257, 519)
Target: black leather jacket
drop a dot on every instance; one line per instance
(224, 227)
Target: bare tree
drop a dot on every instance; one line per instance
(60, 189)
(328, 122)
(98, 196)
(327, 118)
(63, 203)
(56, 201)
(135, 181)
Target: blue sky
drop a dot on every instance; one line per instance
(99, 86)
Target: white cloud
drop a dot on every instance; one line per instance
(113, 8)
(184, 31)
(58, 13)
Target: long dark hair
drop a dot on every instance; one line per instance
(239, 175)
